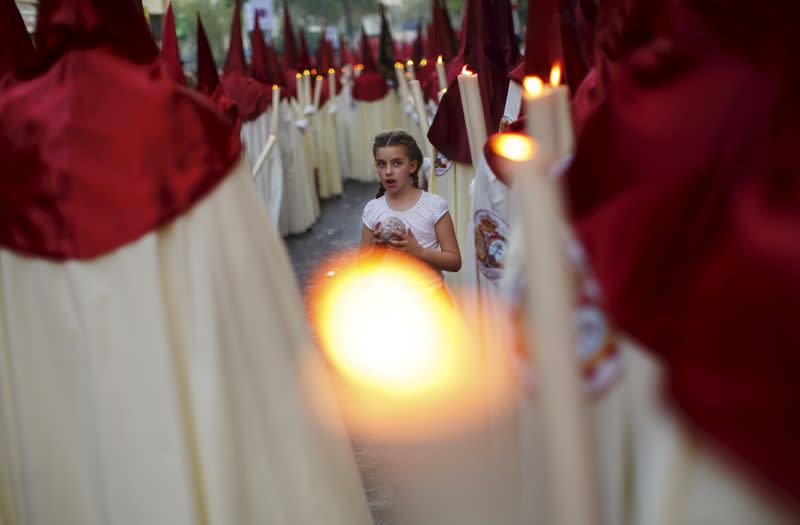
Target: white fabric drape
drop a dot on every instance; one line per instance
(161, 383)
(269, 180)
(301, 197)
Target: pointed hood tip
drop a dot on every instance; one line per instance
(170, 50)
(207, 76)
(234, 60)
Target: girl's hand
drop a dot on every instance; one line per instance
(376, 234)
(406, 243)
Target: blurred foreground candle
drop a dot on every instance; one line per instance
(548, 117)
(408, 381)
(440, 72)
(473, 112)
(402, 83)
(550, 327)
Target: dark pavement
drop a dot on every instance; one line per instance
(338, 229)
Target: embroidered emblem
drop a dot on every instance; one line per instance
(504, 123)
(491, 233)
(443, 164)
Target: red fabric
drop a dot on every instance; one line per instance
(17, 55)
(481, 51)
(207, 77)
(685, 192)
(576, 65)
(517, 74)
(542, 39)
(418, 48)
(370, 86)
(508, 42)
(305, 57)
(499, 165)
(344, 52)
(290, 55)
(78, 184)
(252, 98)
(259, 67)
(169, 49)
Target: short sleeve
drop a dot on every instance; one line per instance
(368, 217)
(438, 207)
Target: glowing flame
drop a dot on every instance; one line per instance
(408, 74)
(555, 75)
(331, 71)
(319, 77)
(513, 146)
(533, 85)
(359, 67)
(306, 72)
(423, 62)
(405, 360)
(359, 313)
(398, 65)
(410, 63)
(298, 76)
(466, 71)
(439, 59)
(275, 87)
(313, 71)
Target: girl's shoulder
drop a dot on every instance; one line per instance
(375, 203)
(436, 204)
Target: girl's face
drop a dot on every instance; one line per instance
(394, 168)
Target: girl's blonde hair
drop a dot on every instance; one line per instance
(399, 137)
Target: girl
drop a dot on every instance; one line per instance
(430, 235)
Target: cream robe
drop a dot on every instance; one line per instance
(161, 383)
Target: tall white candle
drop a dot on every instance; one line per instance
(441, 73)
(307, 100)
(473, 113)
(317, 92)
(332, 86)
(547, 114)
(410, 69)
(276, 110)
(550, 337)
(419, 106)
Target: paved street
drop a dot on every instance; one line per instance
(338, 229)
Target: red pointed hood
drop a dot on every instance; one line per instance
(252, 98)
(481, 52)
(692, 230)
(443, 38)
(418, 49)
(79, 183)
(169, 49)
(234, 60)
(290, 54)
(508, 41)
(305, 57)
(17, 55)
(259, 67)
(576, 59)
(344, 53)
(542, 39)
(370, 85)
(207, 76)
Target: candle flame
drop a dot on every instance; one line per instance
(407, 74)
(398, 65)
(306, 72)
(466, 71)
(359, 67)
(298, 76)
(275, 87)
(555, 75)
(513, 146)
(404, 358)
(423, 62)
(533, 85)
(410, 63)
(439, 59)
(319, 77)
(331, 71)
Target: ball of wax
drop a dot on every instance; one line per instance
(389, 227)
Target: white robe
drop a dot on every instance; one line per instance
(269, 179)
(301, 198)
(161, 383)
